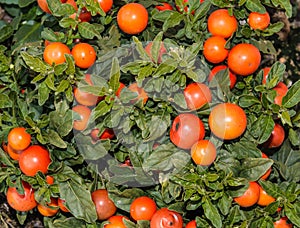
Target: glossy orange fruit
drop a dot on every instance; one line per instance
(259, 20)
(19, 202)
(214, 49)
(216, 69)
(282, 223)
(55, 52)
(84, 113)
(220, 23)
(203, 153)
(14, 154)
(61, 204)
(18, 138)
(267, 174)
(116, 221)
(106, 5)
(50, 209)
(141, 93)
(34, 159)
(227, 121)
(276, 138)
(132, 18)
(281, 90)
(264, 199)
(244, 59)
(197, 95)
(84, 55)
(250, 197)
(191, 224)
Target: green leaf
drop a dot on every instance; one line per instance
(114, 81)
(255, 6)
(156, 46)
(292, 97)
(212, 213)
(6, 32)
(246, 101)
(262, 128)
(292, 213)
(123, 199)
(158, 126)
(57, 9)
(165, 159)
(78, 200)
(43, 93)
(89, 150)
(24, 3)
(174, 19)
(27, 33)
(88, 31)
(35, 63)
(225, 203)
(275, 75)
(253, 168)
(5, 101)
(55, 139)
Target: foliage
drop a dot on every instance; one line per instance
(40, 97)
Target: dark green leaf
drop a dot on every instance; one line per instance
(212, 213)
(292, 97)
(78, 200)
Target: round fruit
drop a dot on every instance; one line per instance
(141, 93)
(84, 114)
(50, 179)
(162, 51)
(264, 199)
(107, 134)
(35, 158)
(276, 138)
(106, 5)
(203, 153)
(61, 204)
(164, 6)
(121, 86)
(266, 71)
(259, 20)
(50, 209)
(216, 69)
(281, 90)
(282, 223)
(267, 174)
(227, 121)
(85, 98)
(105, 207)
(165, 218)
(55, 52)
(18, 139)
(220, 23)
(142, 208)
(132, 18)
(191, 224)
(244, 59)
(84, 55)
(44, 6)
(20, 202)
(196, 95)
(14, 154)
(214, 49)
(186, 130)
(250, 197)
(116, 221)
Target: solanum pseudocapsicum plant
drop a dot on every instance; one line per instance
(138, 92)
